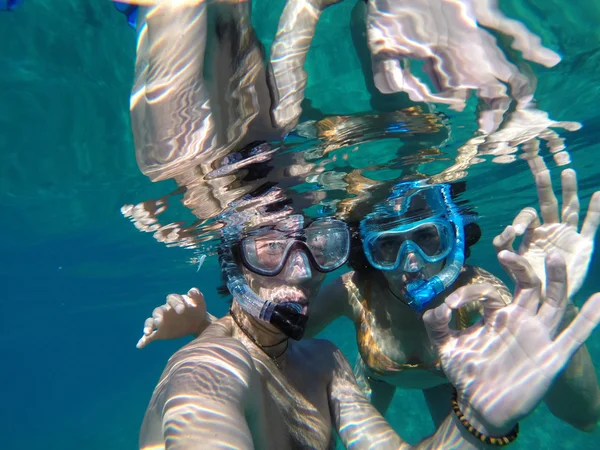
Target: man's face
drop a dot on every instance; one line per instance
(298, 282)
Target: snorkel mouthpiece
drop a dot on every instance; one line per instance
(288, 318)
(421, 292)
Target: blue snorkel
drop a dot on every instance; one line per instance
(9, 5)
(130, 11)
(420, 293)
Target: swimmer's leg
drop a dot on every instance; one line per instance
(379, 393)
(438, 402)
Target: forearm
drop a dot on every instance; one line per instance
(368, 429)
(361, 426)
(575, 396)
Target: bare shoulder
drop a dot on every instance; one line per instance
(214, 355)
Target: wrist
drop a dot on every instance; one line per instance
(476, 424)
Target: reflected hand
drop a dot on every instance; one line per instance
(181, 316)
(503, 366)
(459, 55)
(559, 232)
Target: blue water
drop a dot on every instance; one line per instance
(78, 280)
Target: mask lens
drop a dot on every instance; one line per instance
(265, 253)
(328, 242)
(433, 240)
(385, 249)
(427, 238)
(329, 245)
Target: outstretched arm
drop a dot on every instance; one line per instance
(361, 426)
(171, 117)
(180, 316)
(504, 365)
(294, 36)
(187, 409)
(575, 396)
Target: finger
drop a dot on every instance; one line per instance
(548, 202)
(570, 209)
(176, 302)
(486, 293)
(505, 240)
(526, 220)
(574, 336)
(145, 340)
(196, 295)
(529, 287)
(592, 218)
(437, 323)
(536, 163)
(552, 310)
(196, 298)
(148, 326)
(158, 314)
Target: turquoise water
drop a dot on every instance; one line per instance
(78, 279)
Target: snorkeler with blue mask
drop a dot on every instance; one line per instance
(418, 225)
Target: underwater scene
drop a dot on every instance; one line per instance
(411, 181)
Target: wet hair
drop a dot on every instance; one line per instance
(358, 260)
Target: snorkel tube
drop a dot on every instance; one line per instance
(421, 292)
(287, 317)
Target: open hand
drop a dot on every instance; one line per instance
(503, 366)
(559, 232)
(180, 316)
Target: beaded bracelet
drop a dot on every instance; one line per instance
(500, 441)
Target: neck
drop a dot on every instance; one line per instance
(261, 334)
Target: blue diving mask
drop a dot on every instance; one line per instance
(431, 239)
(422, 221)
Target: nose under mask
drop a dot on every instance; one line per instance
(297, 267)
(413, 263)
